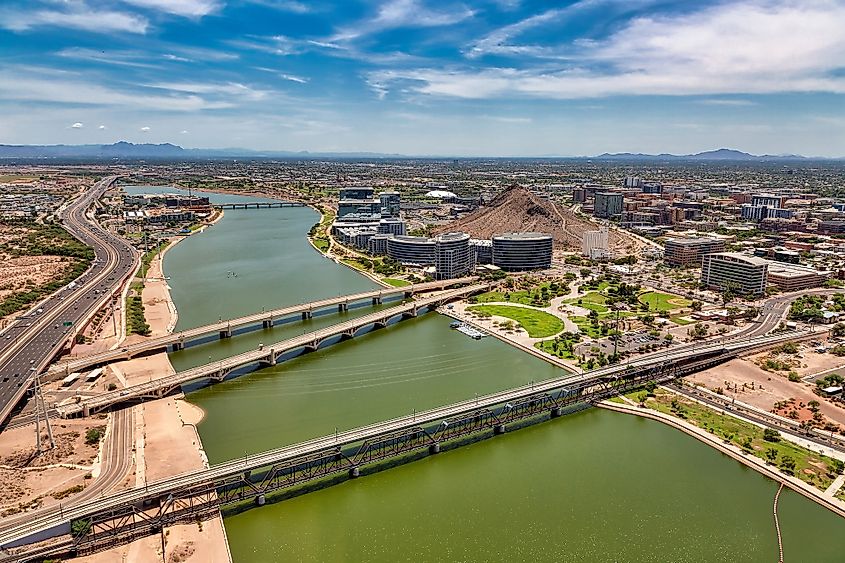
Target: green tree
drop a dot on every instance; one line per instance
(771, 455)
(771, 435)
(787, 465)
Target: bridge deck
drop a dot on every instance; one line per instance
(213, 476)
(268, 354)
(125, 352)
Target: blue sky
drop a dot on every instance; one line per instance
(422, 77)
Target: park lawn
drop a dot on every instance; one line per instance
(593, 301)
(811, 467)
(395, 282)
(680, 320)
(538, 324)
(658, 301)
(533, 297)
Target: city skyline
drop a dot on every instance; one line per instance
(471, 78)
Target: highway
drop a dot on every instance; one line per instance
(29, 345)
(53, 518)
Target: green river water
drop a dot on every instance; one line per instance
(591, 486)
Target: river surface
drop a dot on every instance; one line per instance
(592, 486)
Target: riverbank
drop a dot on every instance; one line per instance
(834, 505)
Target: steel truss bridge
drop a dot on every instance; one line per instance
(265, 355)
(126, 515)
(228, 328)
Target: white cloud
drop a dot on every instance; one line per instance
(746, 48)
(187, 8)
(101, 127)
(294, 78)
(145, 129)
(394, 14)
(726, 102)
(121, 58)
(76, 125)
(285, 5)
(233, 89)
(33, 85)
(76, 15)
(172, 57)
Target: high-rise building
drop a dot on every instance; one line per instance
(409, 250)
(519, 252)
(735, 272)
(390, 204)
(452, 256)
(688, 251)
(608, 204)
(594, 245)
(360, 192)
(633, 182)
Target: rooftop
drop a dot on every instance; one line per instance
(522, 236)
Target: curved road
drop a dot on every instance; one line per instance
(30, 344)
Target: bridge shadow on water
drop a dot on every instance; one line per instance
(376, 467)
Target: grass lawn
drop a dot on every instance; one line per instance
(533, 297)
(663, 301)
(548, 346)
(593, 301)
(396, 283)
(814, 468)
(538, 324)
(680, 320)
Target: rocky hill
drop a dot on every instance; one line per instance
(518, 210)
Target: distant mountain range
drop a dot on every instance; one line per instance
(125, 150)
(716, 155)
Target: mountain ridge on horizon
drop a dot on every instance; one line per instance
(125, 149)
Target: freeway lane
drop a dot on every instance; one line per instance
(30, 344)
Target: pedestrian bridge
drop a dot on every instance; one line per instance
(265, 355)
(128, 514)
(230, 327)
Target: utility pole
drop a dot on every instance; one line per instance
(39, 406)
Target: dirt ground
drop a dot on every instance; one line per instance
(769, 387)
(28, 481)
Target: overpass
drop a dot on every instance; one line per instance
(227, 328)
(125, 515)
(266, 355)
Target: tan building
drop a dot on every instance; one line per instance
(688, 251)
(791, 277)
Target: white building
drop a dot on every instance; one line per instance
(595, 244)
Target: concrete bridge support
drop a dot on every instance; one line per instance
(434, 448)
(307, 315)
(499, 429)
(342, 307)
(354, 472)
(178, 346)
(271, 359)
(227, 333)
(377, 300)
(555, 412)
(267, 323)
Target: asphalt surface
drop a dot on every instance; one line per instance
(34, 339)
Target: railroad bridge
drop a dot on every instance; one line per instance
(125, 515)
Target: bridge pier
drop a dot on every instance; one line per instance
(178, 345)
(260, 500)
(307, 315)
(271, 360)
(354, 472)
(85, 411)
(499, 429)
(267, 323)
(342, 307)
(377, 300)
(555, 412)
(434, 448)
(226, 333)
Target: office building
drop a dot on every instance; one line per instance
(594, 245)
(768, 200)
(633, 182)
(518, 252)
(377, 245)
(688, 251)
(362, 192)
(452, 256)
(791, 277)
(731, 271)
(389, 204)
(579, 195)
(393, 226)
(608, 204)
(411, 251)
(361, 207)
(483, 250)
